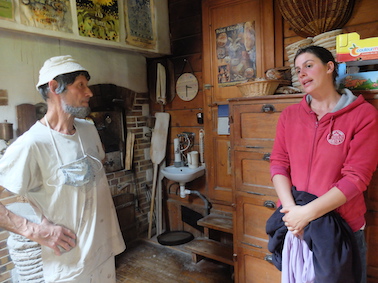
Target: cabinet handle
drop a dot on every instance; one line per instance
(213, 104)
(229, 165)
(266, 157)
(252, 245)
(269, 204)
(254, 193)
(268, 108)
(269, 258)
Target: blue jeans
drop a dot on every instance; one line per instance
(360, 237)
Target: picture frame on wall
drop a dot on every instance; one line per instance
(105, 23)
(140, 23)
(56, 16)
(98, 19)
(6, 10)
(236, 53)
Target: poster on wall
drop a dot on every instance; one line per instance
(53, 15)
(98, 19)
(236, 53)
(140, 19)
(6, 10)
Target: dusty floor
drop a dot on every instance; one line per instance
(148, 261)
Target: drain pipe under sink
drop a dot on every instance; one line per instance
(207, 203)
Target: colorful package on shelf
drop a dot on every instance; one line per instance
(358, 80)
(349, 47)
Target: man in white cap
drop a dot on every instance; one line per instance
(57, 166)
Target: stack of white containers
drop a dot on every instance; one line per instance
(326, 40)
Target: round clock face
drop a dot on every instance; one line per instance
(187, 86)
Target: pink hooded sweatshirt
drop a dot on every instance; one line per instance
(339, 150)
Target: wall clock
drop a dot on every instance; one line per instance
(187, 86)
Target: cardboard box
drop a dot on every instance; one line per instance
(349, 47)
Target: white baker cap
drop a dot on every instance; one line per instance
(57, 66)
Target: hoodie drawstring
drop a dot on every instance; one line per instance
(331, 123)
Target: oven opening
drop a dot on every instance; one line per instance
(110, 126)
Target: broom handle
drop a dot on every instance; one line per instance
(152, 200)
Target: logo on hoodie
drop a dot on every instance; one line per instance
(336, 137)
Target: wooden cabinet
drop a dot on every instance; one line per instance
(253, 267)
(218, 14)
(253, 128)
(371, 231)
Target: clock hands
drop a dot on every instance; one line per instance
(187, 86)
(186, 89)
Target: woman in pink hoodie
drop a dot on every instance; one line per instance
(326, 145)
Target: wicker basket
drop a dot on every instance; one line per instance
(313, 17)
(259, 88)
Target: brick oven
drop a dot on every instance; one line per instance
(117, 111)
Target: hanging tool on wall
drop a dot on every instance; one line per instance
(157, 153)
(137, 206)
(161, 85)
(130, 139)
(202, 146)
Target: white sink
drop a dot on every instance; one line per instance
(182, 175)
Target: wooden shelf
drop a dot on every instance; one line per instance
(217, 222)
(206, 248)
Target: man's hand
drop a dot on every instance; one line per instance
(53, 236)
(47, 234)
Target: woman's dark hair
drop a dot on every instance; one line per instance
(63, 81)
(322, 53)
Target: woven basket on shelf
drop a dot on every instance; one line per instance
(312, 17)
(259, 88)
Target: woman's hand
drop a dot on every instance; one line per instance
(298, 217)
(295, 218)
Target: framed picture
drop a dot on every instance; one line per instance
(236, 53)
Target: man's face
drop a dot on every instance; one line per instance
(75, 100)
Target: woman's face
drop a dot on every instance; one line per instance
(312, 73)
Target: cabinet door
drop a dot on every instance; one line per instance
(371, 233)
(252, 173)
(254, 124)
(252, 214)
(225, 14)
(371, 196)
(218, 14)
(254, 267)
(220, 179)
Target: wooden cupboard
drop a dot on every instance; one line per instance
(218, 14)
(256, 137)
(253, 127)
(371, 230)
